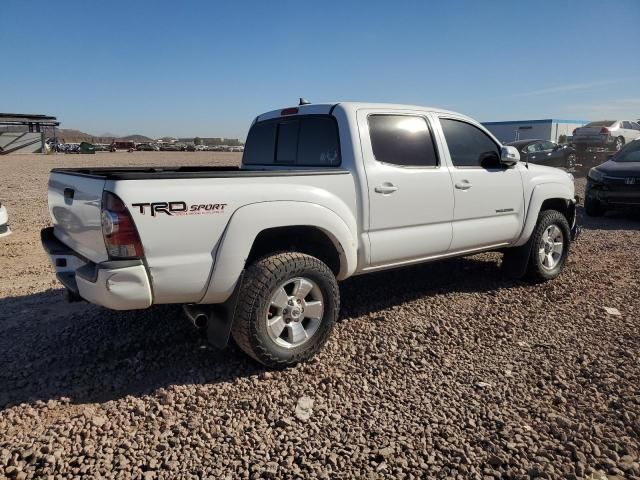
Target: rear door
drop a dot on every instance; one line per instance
(629, 132)
(410, 189)
(489, 198)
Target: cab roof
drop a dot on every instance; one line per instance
(327, 108)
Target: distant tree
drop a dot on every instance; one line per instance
(562, 138)
(197, 141)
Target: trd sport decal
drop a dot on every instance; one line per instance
(179, 208)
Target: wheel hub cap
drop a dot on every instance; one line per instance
(551, 247)
(295, 312)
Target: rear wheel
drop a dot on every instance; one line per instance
(571, 161)
(286, 309)
(619, 144)
(550, 246)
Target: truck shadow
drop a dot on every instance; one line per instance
(50, 349)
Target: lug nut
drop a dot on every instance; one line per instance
(285, 311)
(298, 301)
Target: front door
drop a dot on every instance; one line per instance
(410, 191)
(489, 199)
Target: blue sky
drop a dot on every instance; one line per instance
(207, 68)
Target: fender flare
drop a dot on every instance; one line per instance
(539, 194)
(248, 221)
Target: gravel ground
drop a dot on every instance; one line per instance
(440, 371)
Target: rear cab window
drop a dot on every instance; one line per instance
(403, 140)
(305, 141)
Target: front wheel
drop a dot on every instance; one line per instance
(619, 144)
(286, 310)
(550, 246)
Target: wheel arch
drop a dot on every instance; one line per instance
(258, 229)
(547, 196)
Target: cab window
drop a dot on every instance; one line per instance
(469, 146)
(402, 140)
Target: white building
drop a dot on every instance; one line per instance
(547, 129)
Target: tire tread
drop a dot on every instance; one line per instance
(255, 292)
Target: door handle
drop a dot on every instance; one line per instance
(463, 185)
(386, 188)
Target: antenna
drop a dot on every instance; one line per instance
(304, 102)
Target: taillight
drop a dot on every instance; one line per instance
(604, 130)
(289, 111)
(120, 234)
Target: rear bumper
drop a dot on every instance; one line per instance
(118, 285)
(593, 141)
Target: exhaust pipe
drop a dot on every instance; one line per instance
(198, 316)
(201, 320)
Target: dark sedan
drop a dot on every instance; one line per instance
(544, 152)
(615, 183)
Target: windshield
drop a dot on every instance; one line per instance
(601, 123)
(630, 153)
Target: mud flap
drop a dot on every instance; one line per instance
(516, 260)
(219, 317)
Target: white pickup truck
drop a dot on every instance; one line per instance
(324, 192)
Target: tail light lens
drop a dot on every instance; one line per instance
(604, 130)
(120, 234)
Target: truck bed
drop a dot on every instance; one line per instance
(151, 173)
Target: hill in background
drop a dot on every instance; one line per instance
(68, 135)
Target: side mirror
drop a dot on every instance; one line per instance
(509, 156)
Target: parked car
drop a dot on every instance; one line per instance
(545, 152)
(615, 183)
(102, 147)
(347, 191)
(123, 145)
(4, 221)
(170, 147)
(237, 148)
(147, 147)
(605, 135)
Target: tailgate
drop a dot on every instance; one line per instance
(74, 204)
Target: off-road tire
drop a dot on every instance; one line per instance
(593, 207)
(260, 281)
(536, 272)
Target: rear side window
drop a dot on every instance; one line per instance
(260, 144)
(402, 140)
(601, 123)
(469, 146)
(310, 141)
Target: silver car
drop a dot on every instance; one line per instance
(605, 135)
